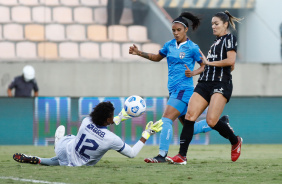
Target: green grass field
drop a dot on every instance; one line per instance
(206, 164)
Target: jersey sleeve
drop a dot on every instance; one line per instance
(117, 144)
(132, 152)
(197, 54)
(164, 50)
(231, 43)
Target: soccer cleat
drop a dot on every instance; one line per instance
(60, 132)
(122, 116)
(236, 149)
(225, 119)
(177, 159)
(157, 159)
(22, 158)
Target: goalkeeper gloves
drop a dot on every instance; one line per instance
(122, 116)
(152, 128)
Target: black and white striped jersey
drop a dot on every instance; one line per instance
(218, 52)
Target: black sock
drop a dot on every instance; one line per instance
(224, 130)
(186, 136)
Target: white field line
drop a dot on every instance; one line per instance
(28, 180)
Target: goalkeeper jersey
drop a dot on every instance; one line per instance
(90, 144)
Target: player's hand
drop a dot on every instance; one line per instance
(188, 72)
(203, 58)
(122, 116)
(133, 50)
(152, 128)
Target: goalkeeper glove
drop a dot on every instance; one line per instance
(122, 116)
(152, 128)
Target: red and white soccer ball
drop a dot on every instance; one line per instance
(134, 106)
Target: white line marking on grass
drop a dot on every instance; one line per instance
(28, 180)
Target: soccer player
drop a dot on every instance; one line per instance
(214, 88)
(181, 54)
(92, 141)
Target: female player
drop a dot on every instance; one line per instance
(92, 141)
(182, 54)
(214, 88)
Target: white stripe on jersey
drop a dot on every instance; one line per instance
(221, 52)
(213, 61)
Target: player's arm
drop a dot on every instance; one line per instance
(151, 129)
(9, 92)
(153, 57)
(122, 116)
(189, 73)
(229, 61)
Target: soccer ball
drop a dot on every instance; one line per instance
(134, 106)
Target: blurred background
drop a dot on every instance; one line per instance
(79, 51)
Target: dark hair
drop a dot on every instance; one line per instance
(227, 17)
(102, 112)
(194, 19)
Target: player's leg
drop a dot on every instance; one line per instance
(54, 161)
(197, 105)
(170, 114)
(216, 107)
(60, 132)
(199, 127)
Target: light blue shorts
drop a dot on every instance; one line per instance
(179, 99)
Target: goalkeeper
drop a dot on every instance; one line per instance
(92, 141)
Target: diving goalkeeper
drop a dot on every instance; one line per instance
(92, 141)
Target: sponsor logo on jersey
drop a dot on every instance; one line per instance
(96, 130)
(212, 56)
(182, 55)
(218, 90)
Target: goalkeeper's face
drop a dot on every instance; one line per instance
(110, 120)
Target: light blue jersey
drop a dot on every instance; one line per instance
(179, 86)
(178, 55)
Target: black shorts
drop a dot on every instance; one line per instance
(207, 88)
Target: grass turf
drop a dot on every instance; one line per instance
(206, 164)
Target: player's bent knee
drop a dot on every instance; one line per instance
(211, 122)
(190, 117)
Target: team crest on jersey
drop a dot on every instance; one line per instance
(182, 55)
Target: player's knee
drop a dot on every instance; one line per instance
(211, 121)
(190, 116)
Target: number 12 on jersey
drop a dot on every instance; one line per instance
(84, 147)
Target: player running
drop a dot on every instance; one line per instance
(214, 88)
(92, 141)
(181, 54)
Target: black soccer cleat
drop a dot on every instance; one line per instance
(22, 158)
(157, 159)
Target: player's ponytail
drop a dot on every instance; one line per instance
(227, 17)
(194, 19)
(187, 15)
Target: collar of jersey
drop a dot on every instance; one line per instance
(217, 38)
(178, 46)
(102, 127)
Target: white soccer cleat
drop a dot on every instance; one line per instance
(122, 116)
(60, 132)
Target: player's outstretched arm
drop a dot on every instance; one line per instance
(151, 129)
(153, 57)
(122, 116)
